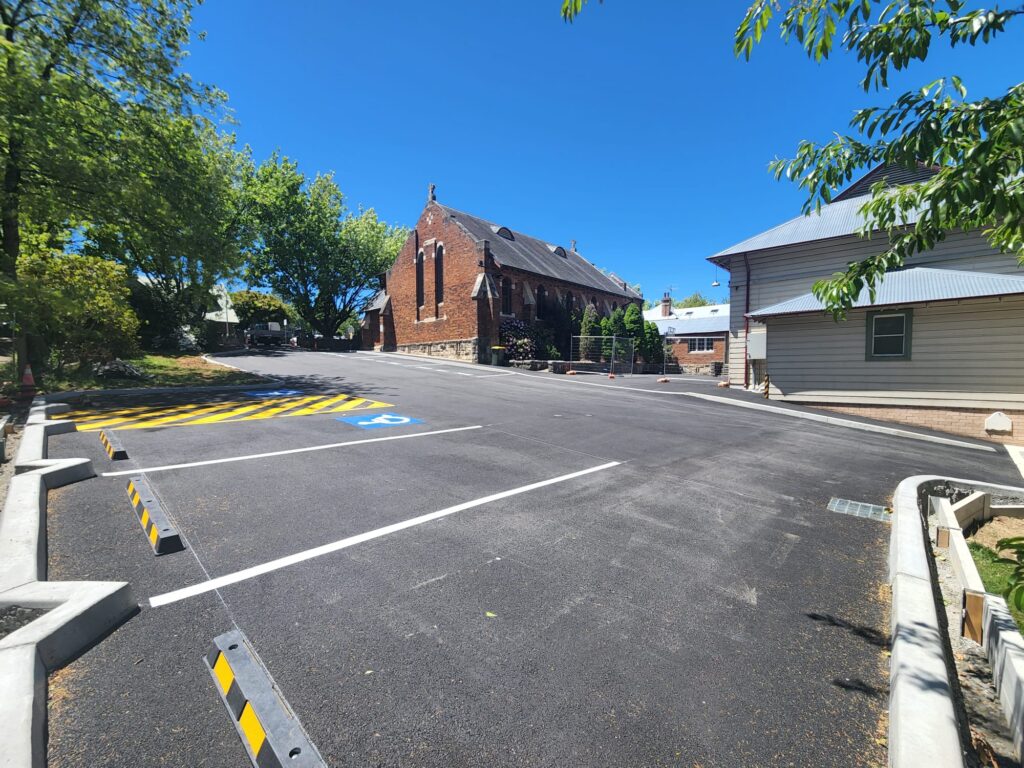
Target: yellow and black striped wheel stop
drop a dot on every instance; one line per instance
(270, 732)
(163, 537)
(112, 445)
(222, 412)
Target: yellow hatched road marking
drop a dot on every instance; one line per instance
(145, 518)
(227, 411)
(249, 408)
(317, 407)
(271, 412)
(252, 728)
(224, 674)
(119, 420)
(189, 414)
(135, 497)
(357, 402)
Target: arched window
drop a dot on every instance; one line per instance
(506, 296)
(593, 300)
(542, 298)
(419, 279)
(615, 305)
(570, 301)
(439, 275)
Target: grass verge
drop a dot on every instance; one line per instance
(164, 370)
(994, 575)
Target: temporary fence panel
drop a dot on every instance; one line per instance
(602, 354)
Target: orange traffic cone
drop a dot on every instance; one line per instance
(28, 384)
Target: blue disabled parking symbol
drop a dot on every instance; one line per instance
(275, 393)
(380, 420)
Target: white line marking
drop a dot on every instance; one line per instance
(291, 450)
(1017, 454)
(460, 373)
(309, 554)
(494, 375)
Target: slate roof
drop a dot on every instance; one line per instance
(536, 256)
(911, 286)
(710, 319)
(838, 218)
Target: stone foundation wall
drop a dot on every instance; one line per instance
(466, 350)
(969, 422)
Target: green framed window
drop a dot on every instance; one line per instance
(889, 334)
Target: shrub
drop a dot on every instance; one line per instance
(518, 339)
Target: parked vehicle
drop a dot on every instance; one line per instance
(266, 335)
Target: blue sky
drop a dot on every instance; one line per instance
(634, 131)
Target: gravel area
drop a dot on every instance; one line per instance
(992, 740)
(14, 617)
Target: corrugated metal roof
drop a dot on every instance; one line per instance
(677, 327)
(911, 286)
(892, 175)
(710, 319)
(840, 217)
(687, 313)
(835, 220)
(533, 255)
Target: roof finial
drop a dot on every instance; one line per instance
(431, 196)
(572, 246)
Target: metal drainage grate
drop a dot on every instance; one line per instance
(860, 509)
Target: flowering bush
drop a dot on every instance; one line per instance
(517, 338)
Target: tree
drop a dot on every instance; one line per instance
(650, 345)
(633, 321)
(77, 305)
(183, 221)
(616, 323)
(260, 307)
(78, 77)
(696, 299)
(590, 325)
(321, 258)
(976, 147)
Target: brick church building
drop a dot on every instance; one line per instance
(459, 277)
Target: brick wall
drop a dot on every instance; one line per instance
(969, 422)
(433, 328)
(697, 362)
(456, 316)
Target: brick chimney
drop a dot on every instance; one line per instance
(666, 305)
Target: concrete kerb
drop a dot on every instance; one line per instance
(923, 725)
(77, 613)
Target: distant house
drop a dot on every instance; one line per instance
(941, 345)
(459, 277)
(696, 337)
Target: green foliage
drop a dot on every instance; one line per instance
(590, 322)
(571, 8)
(259, 307)
(696, 299)
(649, 345)
(1014, 589)
(633, 320)
(976, 147)
(321, 258)
(182, 221)
(76, 305)
(82, 83)
(616, 325)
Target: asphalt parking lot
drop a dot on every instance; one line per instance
(450, 565)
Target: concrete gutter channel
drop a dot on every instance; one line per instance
(77, 613)
(926, 726)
